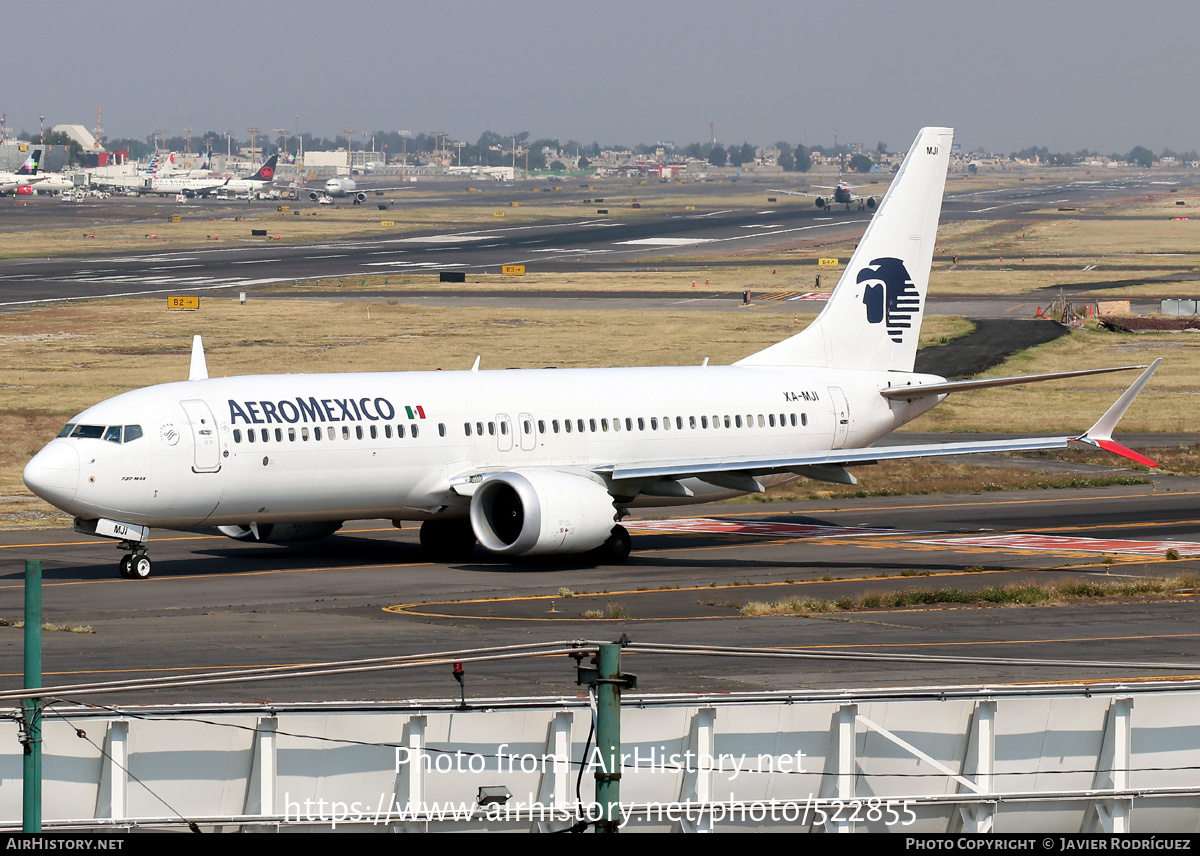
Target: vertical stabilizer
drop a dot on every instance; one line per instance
(873, 318)
(32, 164)
(199, 367)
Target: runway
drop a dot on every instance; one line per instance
(367, 592)
(582, 241)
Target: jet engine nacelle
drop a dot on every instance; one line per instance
(360, 197)
(278, 532)
(821, 203)
(541, 512)
(313, 195)
(24, 190)
(871, 203)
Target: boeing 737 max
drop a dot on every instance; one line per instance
(532, 462)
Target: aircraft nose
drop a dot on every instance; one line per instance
(53, 474)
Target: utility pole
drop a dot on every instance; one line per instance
(283, 132)
(253, 145)
(349, 132)
(31, 770)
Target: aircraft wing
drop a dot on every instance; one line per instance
(1098, 436)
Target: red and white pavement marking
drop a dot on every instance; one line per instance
(1060, 543)
(711, 526)
(812, 295)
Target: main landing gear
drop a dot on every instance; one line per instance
(136, 564)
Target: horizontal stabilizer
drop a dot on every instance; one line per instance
(909, 393)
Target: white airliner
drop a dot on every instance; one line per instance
(532, 462)
(338, 188)
(25, 175)
(843, 194)
(256, 182)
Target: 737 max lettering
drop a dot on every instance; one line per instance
(534, 462)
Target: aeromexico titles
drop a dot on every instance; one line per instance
(534, 462)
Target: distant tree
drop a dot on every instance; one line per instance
(861, 163)
(595, 149)
(739, 155)
(693, 151)
(583, 163)
(786, 159)
(1141, 156)
(717, 156)
(803, 160)
(558, 166)
(881, 148)
(972, 168)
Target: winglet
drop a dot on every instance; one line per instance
(1100, 434)
(199, 368)
(475, 367)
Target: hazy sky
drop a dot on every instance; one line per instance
(1100, 75)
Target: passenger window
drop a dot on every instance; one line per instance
(737, 420)
(703, 421)
(761, 423)
(291, 435)
(345, 432)
(316, 433)
(387, 432)
(358, 432)
(793, 420)
(567, 425)
(113, 434)
(628, 424)
(772, 420)
(803, 419)
(641, 424)
(592, 425)
(503, 429)
(265, 435)
(579, 425)
(132, 432)
(375, 432)
(541, 426)
(400, 431)
(467, 428)
(727, 422)
(304, 434)
(653, 423)
(250, 435)
(279, 435)
(237, 435)
(666, 423)
(491, 429)
(441, 429)
(414, 431)
(479, 428)
(692, 422)
(554, 425)
(528, 426)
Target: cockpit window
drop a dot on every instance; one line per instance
(112, 433)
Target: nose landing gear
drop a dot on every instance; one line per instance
(135, 565)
